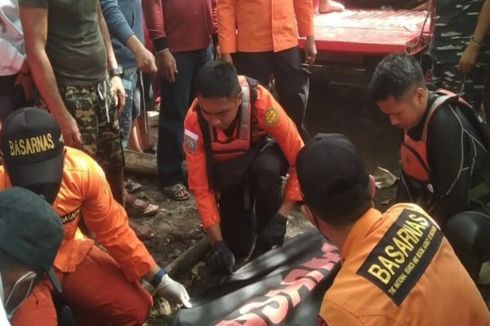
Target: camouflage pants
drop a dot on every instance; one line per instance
(96, 115)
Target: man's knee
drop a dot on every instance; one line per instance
(138, 309)
(467, 234)
(267, 169)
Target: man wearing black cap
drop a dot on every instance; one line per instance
(99, 286)
(393, 264)
(30, 235)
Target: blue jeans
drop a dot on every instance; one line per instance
(176, 98)
(131, 109)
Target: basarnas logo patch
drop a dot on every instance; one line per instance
(398, 261)
(271, 117)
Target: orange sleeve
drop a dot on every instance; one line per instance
(272, 118)
(109, 222)
(197, 170)
(304, 17)
(227, 25)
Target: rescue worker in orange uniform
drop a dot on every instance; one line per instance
(234, 167)
(263, 35)
(101, 286)
(444, 156)
(397, 268)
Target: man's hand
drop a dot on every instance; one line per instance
(310, 50)
(167, 65)
(118, 93)
(173, 291)
(25, 82)
(226, 57)
(468, 58)
(145, 60)
(222, 259)
(273, 233)
(70, 131)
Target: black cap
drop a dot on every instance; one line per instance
(30, 230)
(333, 177)
(32, 147)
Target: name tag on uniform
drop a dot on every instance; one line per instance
(401, 257)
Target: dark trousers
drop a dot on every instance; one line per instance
(292, 81)
(469, 235)
(240, 224)
(176, 98)
(7, 103)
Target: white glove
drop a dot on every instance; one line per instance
(173, 291)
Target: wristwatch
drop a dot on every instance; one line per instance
(118, 71)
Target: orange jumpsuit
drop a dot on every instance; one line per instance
(85, 193)
(263, 25)
(271, 119)
(398, 269)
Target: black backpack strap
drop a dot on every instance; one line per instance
(206, 136)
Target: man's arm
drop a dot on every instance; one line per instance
(119, 28)
(226, 17)
(35, 26)
(167, 66)
(304, 17)
(470, 54)
(198, 176)
(275, 121)
(109, 222)
(446, 152)
(117, 88)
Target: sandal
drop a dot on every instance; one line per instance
(132, 186)
(176, 192)
(138, 207)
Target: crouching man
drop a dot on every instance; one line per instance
(397, 267)
(101, 286)
(235, 168)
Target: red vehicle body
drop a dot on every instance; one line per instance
(351, 43)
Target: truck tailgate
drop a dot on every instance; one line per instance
(372, 32)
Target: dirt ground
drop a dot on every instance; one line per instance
(331, 109)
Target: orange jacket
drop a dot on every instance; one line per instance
(85, 193)
(270, 118)
(263, 25)
(398, 269)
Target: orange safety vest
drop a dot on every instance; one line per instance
(243, 140)
(414, 153)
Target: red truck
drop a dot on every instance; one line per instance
(352, 42)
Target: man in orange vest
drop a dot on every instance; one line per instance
(234, 167)
(101, 286)
(397, 267)
(444, 155)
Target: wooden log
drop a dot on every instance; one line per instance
(189, 258)
(141, 163)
